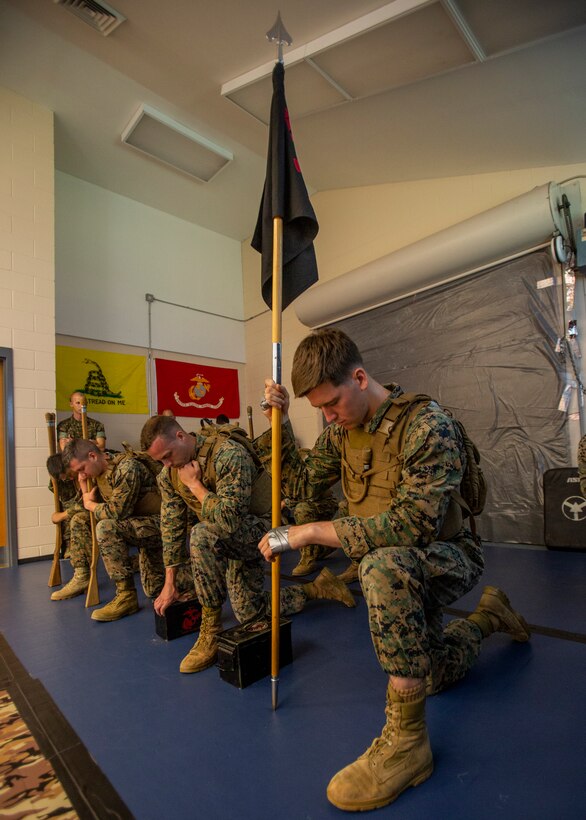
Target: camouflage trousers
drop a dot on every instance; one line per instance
(143, 532)
(80, 540)
(406, 591)
(115, 539)
(65, 537)
(227, 567)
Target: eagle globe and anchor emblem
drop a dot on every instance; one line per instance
(197, 391)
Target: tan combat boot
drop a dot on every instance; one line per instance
(307, 562)
(124, 603)
(494, 613)
(399, 758)
(327, 586)
(205, 650)
(77, 586)
(350, 573)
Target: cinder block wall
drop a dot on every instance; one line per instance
(27, 304)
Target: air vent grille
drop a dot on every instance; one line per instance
(99, 16)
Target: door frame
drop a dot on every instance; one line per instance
(6, 355)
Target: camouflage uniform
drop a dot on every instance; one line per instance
(223, 541)
(71, 503)
(582, 465)
(118, 526)
(80, 542)
(71, 428)
(406, 575)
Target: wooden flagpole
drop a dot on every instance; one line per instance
(250, 424)
(93, 596)
(55, 575)
(276, 453)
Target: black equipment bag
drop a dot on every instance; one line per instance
(564, 509)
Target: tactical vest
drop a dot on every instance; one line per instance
(261, 495)
(147, 504)
(372, 463)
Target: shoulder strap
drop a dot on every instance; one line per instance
(400, 412)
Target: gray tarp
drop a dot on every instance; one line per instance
(484, 347)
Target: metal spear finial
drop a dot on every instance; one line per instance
(278, 34)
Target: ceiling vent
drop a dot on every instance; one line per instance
(97, 15)
(175, 144)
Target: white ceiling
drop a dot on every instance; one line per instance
(522, 106)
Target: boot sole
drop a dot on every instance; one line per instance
(368, 805)
(110, 620)
(199, 668)
(69, 597)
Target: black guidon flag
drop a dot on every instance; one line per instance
(285, 195)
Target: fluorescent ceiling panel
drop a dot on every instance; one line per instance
(501, 25)
(421, 44)
(175, 144)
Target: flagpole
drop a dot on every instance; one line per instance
(276, 453)
(284, 234)
(277, 34)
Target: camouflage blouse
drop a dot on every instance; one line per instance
(127, 483)
(433, 466)
(71, 428)
(227, 505)
(69, 496)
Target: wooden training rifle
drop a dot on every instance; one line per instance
(93, 596)
(55, 575)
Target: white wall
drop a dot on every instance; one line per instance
(111, 251)
(27, 304)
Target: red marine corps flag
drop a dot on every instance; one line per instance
(285, 196)
(197, 390)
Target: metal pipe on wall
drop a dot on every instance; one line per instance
(504, 231)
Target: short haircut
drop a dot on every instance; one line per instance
(222, 419)
(326, 355)
(55, 466)
(76, 393)
(78, 449)
(163, 426)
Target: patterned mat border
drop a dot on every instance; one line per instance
(90, 792)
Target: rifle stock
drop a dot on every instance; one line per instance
(55, 574)
(93, 596)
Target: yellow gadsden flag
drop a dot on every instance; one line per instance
(112, 382)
